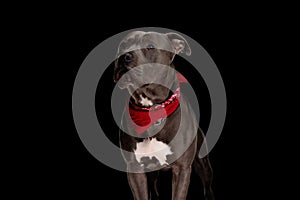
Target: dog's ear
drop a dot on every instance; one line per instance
(179, 44)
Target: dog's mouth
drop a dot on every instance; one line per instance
(149, 94)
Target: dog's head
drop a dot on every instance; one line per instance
(145, 49)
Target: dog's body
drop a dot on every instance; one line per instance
(172, 142)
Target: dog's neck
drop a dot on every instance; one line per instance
(139, 111)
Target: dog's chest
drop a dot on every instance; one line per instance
(152, 148)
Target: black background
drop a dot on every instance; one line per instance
(60, 164)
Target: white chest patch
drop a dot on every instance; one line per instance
(152, 148)
(145, 101)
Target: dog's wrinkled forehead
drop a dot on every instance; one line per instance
(140, 40)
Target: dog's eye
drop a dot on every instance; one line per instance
(128, 57)
(150, 46)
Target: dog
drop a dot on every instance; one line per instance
(160, 131)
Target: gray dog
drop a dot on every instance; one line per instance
(161, 130)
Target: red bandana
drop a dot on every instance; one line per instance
(141, 120)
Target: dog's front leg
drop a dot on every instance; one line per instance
(180, 182)
(138, 185)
